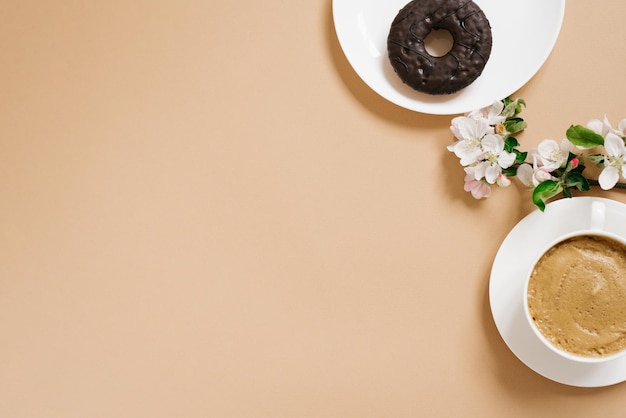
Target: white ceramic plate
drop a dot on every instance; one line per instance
(506, 286)
(523, 32)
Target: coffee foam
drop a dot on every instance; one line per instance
(577, 295)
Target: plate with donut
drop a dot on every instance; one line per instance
(446, 57)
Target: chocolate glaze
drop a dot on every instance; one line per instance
(452, 72)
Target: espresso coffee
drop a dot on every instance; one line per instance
(577, 295)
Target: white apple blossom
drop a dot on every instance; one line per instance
(469, 133)
(490, 155)
(532, 175)
(494, 159)
(493, 113)
(478, 188)
(551, 155)
(480, 146)
(604, 127)
(614, 161)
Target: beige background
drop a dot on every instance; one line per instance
(204, 212)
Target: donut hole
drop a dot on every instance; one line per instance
(438, 42)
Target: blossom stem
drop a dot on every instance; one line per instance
(617, 186)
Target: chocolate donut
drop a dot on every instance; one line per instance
(457, 69)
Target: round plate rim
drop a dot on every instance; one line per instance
(350, 22)
(506, 287)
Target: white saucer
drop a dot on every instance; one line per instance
(524, 33)
(506, 286)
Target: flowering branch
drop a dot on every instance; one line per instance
(488, 149)
(617, 186)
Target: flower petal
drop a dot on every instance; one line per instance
(596, 125)
(622, 127)
(547, 148)
(456, 125)
(550, 154)
(506, 159)
(525, 174)
(492, 172)
(566, 147)
(608, 177)
(503, 181)
(469, 185)
(607, 125)
(479, 189)
(541, 175)
(480, 169)
(470, 129)
(467, 153)
(493, 143)
(614, 145)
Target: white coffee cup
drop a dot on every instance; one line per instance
(563, 352)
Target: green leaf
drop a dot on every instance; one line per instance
(584, 137)
(520, 157)
(545, 191)
(510, 143)
(509, 109)
(510, 172)
(577, 180)
(567, 192)
(512, 108)
(515, 125)
(597, 159)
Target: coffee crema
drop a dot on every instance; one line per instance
(577, 295)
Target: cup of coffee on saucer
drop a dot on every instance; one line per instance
(575, 296)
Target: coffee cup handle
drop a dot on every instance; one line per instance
(598, 215)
